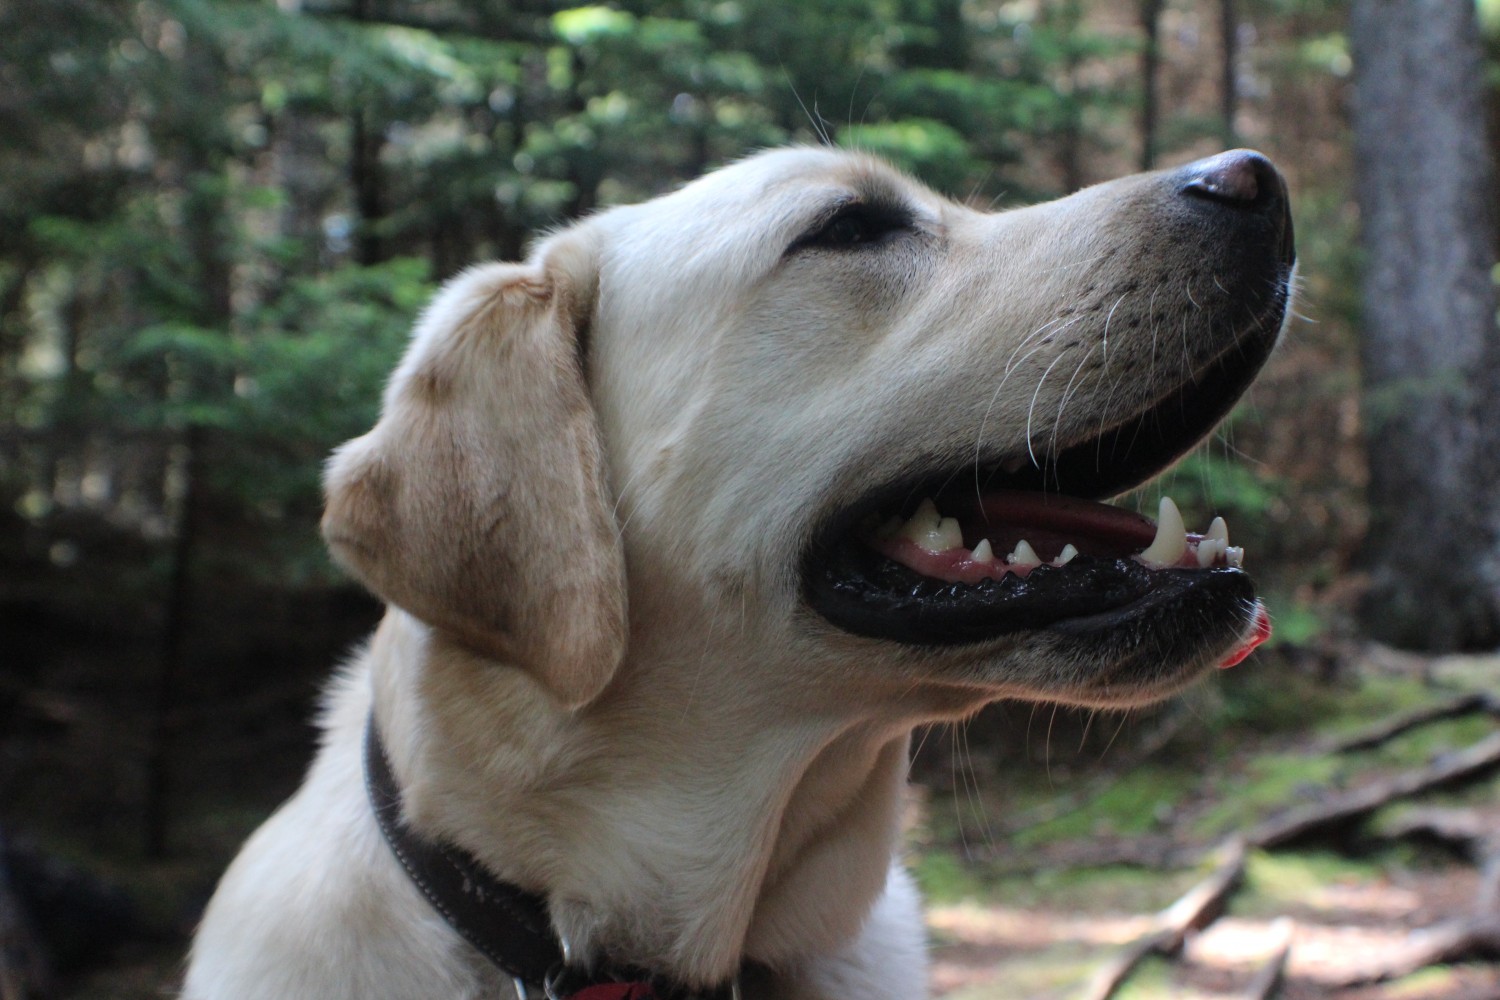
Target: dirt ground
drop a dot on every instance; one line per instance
(1345, 903)
(998, 953)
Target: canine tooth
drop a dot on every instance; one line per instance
(1171, 536)
(983, 552)
(949, 534)
(1235, 556)
(1218, 531)
(1024, 555)
(1209, 550)
(1065, 556)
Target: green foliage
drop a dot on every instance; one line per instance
(1296, 623)
(922, 147)
(1210, 482)
(1489, 17)
(312, 367)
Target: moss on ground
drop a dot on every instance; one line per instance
(1253, 746)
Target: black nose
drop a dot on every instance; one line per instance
(1239, 177)
(1242, 180)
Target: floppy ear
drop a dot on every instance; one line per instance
(478, 501)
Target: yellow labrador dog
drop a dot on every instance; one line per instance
(684, 523)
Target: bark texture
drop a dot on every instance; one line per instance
(1430, 351)
(1150, 12)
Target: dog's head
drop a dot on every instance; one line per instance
(805, 397)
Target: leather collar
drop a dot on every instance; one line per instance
(505, 923)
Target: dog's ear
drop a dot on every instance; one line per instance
(478, 502)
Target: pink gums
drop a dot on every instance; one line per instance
(957, 565)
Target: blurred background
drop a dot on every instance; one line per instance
(218, 219)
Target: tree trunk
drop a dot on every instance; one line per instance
(1150, 59)
(1066, 20)
(1430, 352)
(365, 176)
(179, 612)
(1229, 90)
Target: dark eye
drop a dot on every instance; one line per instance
(856, 225)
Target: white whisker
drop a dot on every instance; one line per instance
(1031, 409)
(1068, 391)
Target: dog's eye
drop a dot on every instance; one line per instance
(856, 225)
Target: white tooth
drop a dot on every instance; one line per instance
(1024, 555)
(983, 552)
(1171, 536)
(1218, 530)
(1235, 556)
(931, 530)
(1209, 550)
(923, 521)
(1065, 556)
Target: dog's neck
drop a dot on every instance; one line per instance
(667, 829)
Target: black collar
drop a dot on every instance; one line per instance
(508, 925)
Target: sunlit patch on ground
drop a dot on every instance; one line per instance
(1004, 953)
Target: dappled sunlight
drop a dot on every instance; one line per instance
(1338, 928)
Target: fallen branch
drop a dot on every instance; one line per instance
(1193, 911)
(1270, 977)
(1463, 831)
(1459, 940)
(1389, 729)
(1487, 899)
(1472, 762)
(1158, 853)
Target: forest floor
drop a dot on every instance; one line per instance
(1033, 892)
(1048, 842)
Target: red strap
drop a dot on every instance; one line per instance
(616, 991)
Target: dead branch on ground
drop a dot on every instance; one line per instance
(1270, 977)
(1194, 910)
(1464, 831)
(1464, 939)
(1475, 937)
(1389, 729)
(1472, 762)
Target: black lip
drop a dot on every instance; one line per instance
(864, 593)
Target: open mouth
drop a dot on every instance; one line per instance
(964, 555)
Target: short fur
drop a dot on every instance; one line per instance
(585, 504)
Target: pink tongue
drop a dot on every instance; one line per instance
(1112, 529)
(1261, 634)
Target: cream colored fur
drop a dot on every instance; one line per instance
(596, 673)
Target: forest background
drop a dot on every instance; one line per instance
(218, 219)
